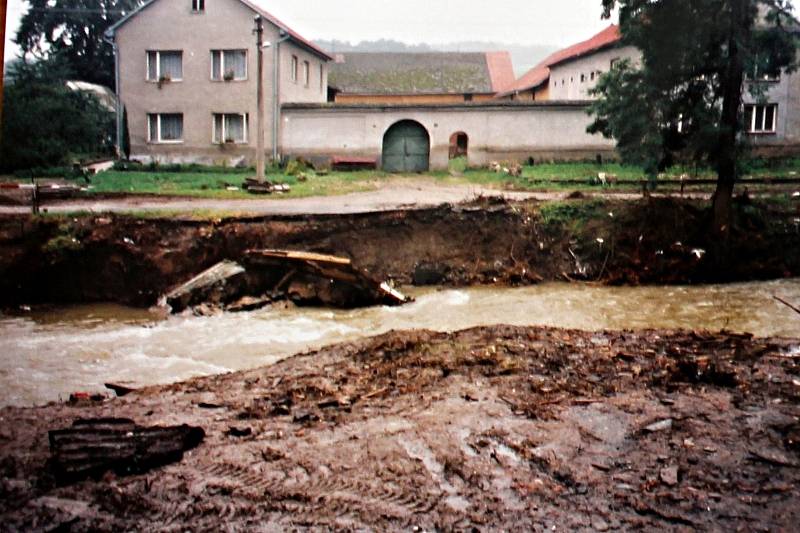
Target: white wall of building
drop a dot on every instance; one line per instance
(501, 132)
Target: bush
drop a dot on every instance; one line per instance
(45, 124)
(178, 168)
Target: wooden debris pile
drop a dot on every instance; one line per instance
(254, 186)
(266, 276)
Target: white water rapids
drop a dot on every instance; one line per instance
(48, 355)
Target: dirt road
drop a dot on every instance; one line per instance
(390, 196)
(499, 428)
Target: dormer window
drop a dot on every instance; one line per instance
(198, 6)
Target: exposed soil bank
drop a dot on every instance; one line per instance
(133, 261)
(491, 428)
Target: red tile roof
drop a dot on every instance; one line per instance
(501, 70)
(541, 72)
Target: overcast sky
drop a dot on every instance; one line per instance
(550, 22)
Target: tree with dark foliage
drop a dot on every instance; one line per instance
(685, 99)
(45, 123)
(71, 32)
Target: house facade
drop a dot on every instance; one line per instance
(771, 105)
(419, 78)
(187, 73)
(772, 114)
(570, 73)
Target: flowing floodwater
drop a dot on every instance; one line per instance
(48, 355)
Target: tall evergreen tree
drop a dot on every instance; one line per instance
(685, 98)
(71, 32)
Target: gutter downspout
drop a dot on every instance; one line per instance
(276, 93)
(118, 104)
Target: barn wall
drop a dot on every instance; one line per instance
(544, 131)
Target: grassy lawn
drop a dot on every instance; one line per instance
(217, 185)
(227, 183)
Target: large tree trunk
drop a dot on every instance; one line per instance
(733, 79)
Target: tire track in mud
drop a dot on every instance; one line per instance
(347, 499)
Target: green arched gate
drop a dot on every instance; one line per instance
(406, 148)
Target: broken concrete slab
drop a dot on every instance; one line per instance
(206, 287)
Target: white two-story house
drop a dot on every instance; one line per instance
(187, 72)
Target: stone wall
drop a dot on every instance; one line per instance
(502, 131)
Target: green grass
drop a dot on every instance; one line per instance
(213, 182)
(215, 185)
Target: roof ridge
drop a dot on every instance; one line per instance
(541, 71)
(296, 37)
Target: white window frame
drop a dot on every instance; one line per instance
(158, 129)
(198, 6)
(306, 74)
(763, 131)
(245, 123)
(295, 67)
(158, 64)
(221, 53)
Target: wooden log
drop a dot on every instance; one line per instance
(90, 448)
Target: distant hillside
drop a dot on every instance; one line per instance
(523, 56)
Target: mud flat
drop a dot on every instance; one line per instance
(490, 428)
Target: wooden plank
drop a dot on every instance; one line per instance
(300, 256)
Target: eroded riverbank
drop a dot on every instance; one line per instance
(489, 428)
(134, 261)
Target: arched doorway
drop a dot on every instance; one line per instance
(459, 145)
(406, 147)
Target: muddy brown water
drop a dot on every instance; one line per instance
(48, 355)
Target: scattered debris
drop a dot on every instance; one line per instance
(271, 275)
(85, 397)
(339, 270)
(240, 432)
(787, 304)
(773, 456)
(121, 388)
(92, 447)
(669, 475)
(662, 425)
(255, 186)
(208, 286)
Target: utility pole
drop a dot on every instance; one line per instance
(259, 31)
